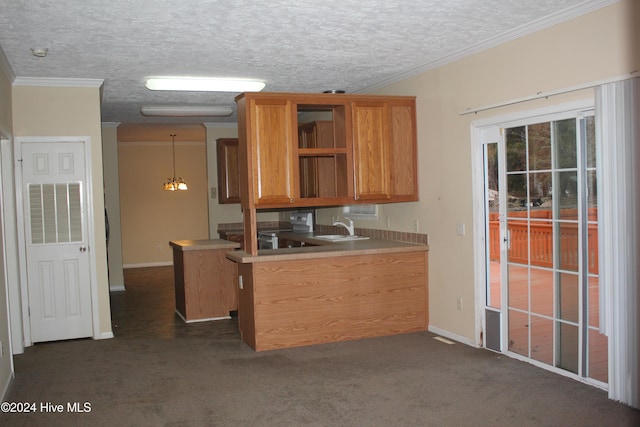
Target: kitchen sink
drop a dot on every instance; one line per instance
(339, 237)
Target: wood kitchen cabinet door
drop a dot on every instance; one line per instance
(228, 170)
(272, 150)
(403, 151)
(371, 136)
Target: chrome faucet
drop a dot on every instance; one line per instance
(348, 227)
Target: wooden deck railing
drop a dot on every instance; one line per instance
(540, 241)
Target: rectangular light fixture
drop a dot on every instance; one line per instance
(202, 84)
(184, 111)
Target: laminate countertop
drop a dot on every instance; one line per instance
(201, 245)
(324, 249)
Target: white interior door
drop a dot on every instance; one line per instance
(57, 259)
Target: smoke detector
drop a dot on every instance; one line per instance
(40, 52)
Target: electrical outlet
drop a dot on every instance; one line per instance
(416, 225)
(460, 229)
(214, 192)
(388, 222)
(459, 303)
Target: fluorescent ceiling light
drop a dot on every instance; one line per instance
(177, 111)
(202, 84)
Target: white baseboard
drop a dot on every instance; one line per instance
(105, 336)
(117, 288)
(452, 336)
(148, 264)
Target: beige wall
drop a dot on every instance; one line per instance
(587, 49)
(146, 212)
(71, 111)
(6, 365)
(151, 217)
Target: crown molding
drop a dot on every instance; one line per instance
(57, 82)
(516, 33)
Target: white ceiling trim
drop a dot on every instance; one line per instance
(516, 33)
(57, 82)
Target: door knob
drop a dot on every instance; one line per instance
(83, 248)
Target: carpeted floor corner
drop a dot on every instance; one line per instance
(159, 371)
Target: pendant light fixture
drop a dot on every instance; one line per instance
(173, 184)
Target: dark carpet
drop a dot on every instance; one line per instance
(159, 371)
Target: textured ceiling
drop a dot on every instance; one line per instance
(293, 45)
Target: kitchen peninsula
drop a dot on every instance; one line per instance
(331, 292)
(312, 150)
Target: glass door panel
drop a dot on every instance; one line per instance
(539, 144)
(565, 142)
(492, 226)
(567, 347)
(518, 295)
(542, 339)
(542, 292)
(519, 332)
(568, 297)
(552, 289)
(494, 234)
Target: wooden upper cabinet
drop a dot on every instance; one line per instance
(228, 170)
(385, 150)
(271, 143)
(346, 149)
(371, 137)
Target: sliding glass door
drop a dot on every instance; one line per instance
(542, 244)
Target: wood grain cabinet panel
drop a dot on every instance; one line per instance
(312, 301)
(228, 170)
(403, 151)
(205, 280)
(371, 140)
(272, 148)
